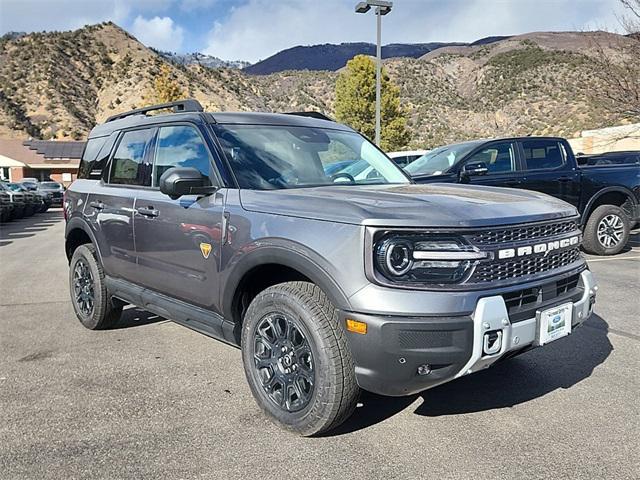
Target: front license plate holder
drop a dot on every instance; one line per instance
(554, 323)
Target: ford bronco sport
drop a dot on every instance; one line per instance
(228, 223)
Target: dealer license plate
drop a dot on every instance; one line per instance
(554, 323)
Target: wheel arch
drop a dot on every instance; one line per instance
(77, 233)
(616, 195)
(269, 266)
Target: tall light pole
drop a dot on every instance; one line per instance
(382, 8)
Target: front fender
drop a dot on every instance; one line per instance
(288, 254)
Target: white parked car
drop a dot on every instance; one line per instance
(402, 159)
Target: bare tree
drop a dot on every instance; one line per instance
(631, 21)
(617, 68)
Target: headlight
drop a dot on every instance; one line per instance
(412, 258)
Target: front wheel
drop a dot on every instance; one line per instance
(297, 359)
(606, 231)
(92, 303)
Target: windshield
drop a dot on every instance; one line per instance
(15, 187)
(439, 160)
(50, 186)
(267, 157)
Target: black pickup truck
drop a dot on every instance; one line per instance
(607, 194)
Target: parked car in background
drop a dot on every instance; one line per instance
(34, 202)
(402, 159)
(29, 180)
(55, 189)
(6, 207)
(45, 196)
(17, 199)
(607, 195)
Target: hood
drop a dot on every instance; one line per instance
(431, 205)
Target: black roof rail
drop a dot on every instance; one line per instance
(188, 105)
(311, 114)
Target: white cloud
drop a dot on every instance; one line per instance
(259, 28)
(193, 5)
(158, 32)
(38, 15)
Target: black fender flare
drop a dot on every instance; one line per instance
(618, 189)
(297, 257)
(77, 223)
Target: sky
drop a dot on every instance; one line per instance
(253, 30)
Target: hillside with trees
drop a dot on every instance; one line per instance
(59, 84)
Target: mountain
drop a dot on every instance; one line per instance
(196, 58)
(333, 57)
(59, 84)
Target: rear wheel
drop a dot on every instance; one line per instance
(297, 360)
(92, 303)
(606, 231)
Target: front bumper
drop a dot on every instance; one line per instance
(395, 349)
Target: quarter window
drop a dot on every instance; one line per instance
(180, 146)
(499, 158)
(129, 166)
(543, 154)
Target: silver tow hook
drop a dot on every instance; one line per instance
(492, 343)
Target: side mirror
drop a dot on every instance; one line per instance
(179, 181)
(474, 168)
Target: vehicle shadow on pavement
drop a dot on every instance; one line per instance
(136, 317)
(28, 227)
(559, 365)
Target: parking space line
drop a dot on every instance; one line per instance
(32, 303)
(612, 259)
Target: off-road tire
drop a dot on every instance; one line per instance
(106, 311)
(335, 392)
(591, 243)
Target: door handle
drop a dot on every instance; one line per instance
(512, 182)
(148, 211)
(564, 179)
(98, 205)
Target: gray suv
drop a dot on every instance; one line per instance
(229, 224)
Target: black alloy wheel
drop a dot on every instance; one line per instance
(284, 361)
(83, 289)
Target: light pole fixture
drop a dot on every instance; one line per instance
(382, 8)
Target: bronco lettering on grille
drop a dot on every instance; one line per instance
(538, 248)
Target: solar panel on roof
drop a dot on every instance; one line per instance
(56, 149)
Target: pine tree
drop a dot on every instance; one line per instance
(356, 103)
(166, 88)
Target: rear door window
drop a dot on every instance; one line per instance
(543, 154)
(130, 165)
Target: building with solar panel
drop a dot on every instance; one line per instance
(40, 159)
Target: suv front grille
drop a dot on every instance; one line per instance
(505, 270)
(523, 304)
(524, 233)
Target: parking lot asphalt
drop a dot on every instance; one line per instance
(151, 399)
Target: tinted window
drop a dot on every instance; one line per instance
(499, 158)
(91, 150)
(128, 166)
(540, 154)
(180, 146)
(95, 156)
